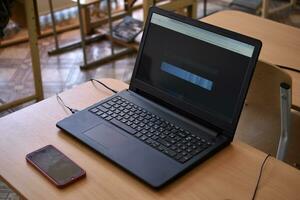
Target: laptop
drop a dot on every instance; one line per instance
(183, 104)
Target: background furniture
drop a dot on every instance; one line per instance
(281, 43)
(35, 58)
(238, 163)
(172, 5)
(261, 123)
(88, 25)
(86, 28)
(266, 10)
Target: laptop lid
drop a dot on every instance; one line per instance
(199, 70)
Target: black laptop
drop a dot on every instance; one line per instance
(184, 101)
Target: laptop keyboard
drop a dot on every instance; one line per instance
(151, 129)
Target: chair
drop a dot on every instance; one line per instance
(263, 121)
(172, 5)
(268, 10)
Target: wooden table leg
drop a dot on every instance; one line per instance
(37, 20)
(146, 5)
(192, 10)
(35, 55)
(204, 8)
(265, 8)
(86, 16)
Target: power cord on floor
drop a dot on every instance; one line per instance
(260, 173)
(104, 85)
(72, 110)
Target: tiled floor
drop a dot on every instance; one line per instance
(6, 193)
(62, 72)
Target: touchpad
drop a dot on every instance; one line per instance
(106, 136)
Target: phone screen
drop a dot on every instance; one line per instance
(55, 164)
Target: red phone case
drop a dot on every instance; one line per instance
(62, 184)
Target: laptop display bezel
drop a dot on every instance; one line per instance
(184, 108)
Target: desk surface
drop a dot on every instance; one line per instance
(230, 174)
(281, 43)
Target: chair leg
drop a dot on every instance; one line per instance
(285, 102)
(265, 8)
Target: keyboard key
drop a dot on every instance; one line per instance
(155, 144)
(106, 105)
(99, 113)
(147, 127)
(163, 136)
(198, 150)
(144, 137)
(173, 147)
(121, 114)
(108, 118)
(170, 140)
(177, 138)
(125, 110)
(138, 135)
(185, 158)
(181, 134)
(155, 137)
(178, 150)
(149, 141)
(123, 120)
(170, 152)
(111, 103)
(163, 142)
(178, 156)
(139, 128)
(123, 126)
(152, 130)
(149, 134)
(104, 115)
(128, 123)
(161, 148)
(133, 125)
(102, 109)
(141, 124)
(94, 110)
(119, 118)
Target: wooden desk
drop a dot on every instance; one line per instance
(172, 5)
(281, 43)
(230, 174)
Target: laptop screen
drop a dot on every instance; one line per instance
(203, 69)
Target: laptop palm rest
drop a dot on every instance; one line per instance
(107, 136)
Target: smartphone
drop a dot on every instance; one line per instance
(56, 166)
